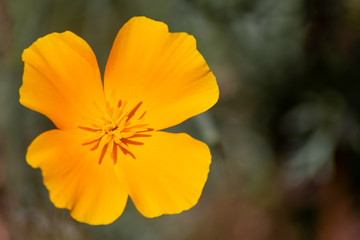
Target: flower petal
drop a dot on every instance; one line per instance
(62, 80)
(75, 179)
(167, 175)
(161, 69)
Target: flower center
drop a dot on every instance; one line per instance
(122, 126)
(109, 128)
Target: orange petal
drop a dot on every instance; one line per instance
(62, 80)
(167, 175)
(75, 179)
(163, 70)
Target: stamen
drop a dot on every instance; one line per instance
(122, 141)
(133, 111)
(96, 145)
(102, 155)
(117, 128)
(142, 115)
(147, 130)
(114, 153)
(96, 141)
(127, 141)
(140, 135)
(93, 141)
(117, 111)
(125, 151)
(89, 129)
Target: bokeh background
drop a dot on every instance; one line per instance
(285, 134)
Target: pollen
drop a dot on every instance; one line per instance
(117, 130)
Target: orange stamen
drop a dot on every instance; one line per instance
(125, 151)
(89, 129)
(140, 135)
(132, 112)
(117, 129)
(102, 155)
(127, 141)
(114, 153)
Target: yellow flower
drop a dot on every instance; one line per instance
(108, 145)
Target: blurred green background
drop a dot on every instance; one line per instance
(285, 134)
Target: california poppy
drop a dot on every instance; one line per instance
(108, 144)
